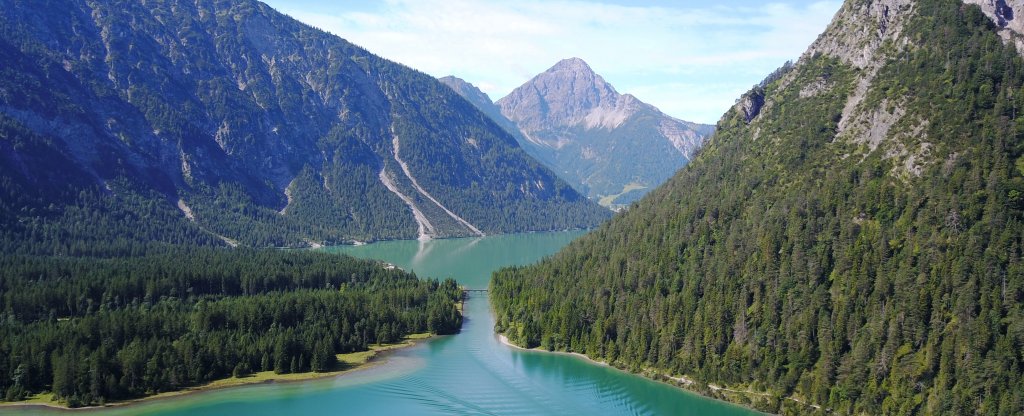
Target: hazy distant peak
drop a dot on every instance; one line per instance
(465, 89)
(565, 94)
(579, 74)
(602, 141)
(452, 79)
(571, 65)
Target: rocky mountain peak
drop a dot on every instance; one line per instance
(574, 64)
(565, 95)
(610, 145)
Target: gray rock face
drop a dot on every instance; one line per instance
(863, 35)
(859, 29)
(1003, 13)
(563, 96)
(750, 105)
(611, 146)
(1006, 14)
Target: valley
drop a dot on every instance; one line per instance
(471, 372)
(214, 207)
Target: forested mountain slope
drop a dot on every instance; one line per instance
(483, 102)
(255, 127)
(849, 238)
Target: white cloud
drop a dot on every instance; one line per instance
(692, 62)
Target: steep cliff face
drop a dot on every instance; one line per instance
(262, 129)
(611, 146)
(849, 241)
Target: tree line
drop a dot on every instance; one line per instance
(92, 330)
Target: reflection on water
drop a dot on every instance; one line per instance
(469, 260)
(468, 373)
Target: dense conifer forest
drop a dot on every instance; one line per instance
(93, 329)
(817, 269)
(115, 296)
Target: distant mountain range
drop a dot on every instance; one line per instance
(251, 126)
(610, 146)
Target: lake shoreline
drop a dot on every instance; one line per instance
(504, 340)
(680, 382)
(319, 245)
(465, 373)
(374, 357)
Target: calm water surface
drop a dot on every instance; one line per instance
(468, 373)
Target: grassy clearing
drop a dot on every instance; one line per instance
(607, 201)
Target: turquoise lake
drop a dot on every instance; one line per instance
(468, 373)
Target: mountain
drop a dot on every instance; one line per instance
(849, 241)
(610, 146)
(232, 119)
(483, 102)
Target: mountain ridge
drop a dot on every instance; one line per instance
(483, 102)
(268, 131)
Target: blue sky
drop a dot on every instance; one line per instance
(691, 59)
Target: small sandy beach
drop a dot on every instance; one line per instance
(504, 340)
